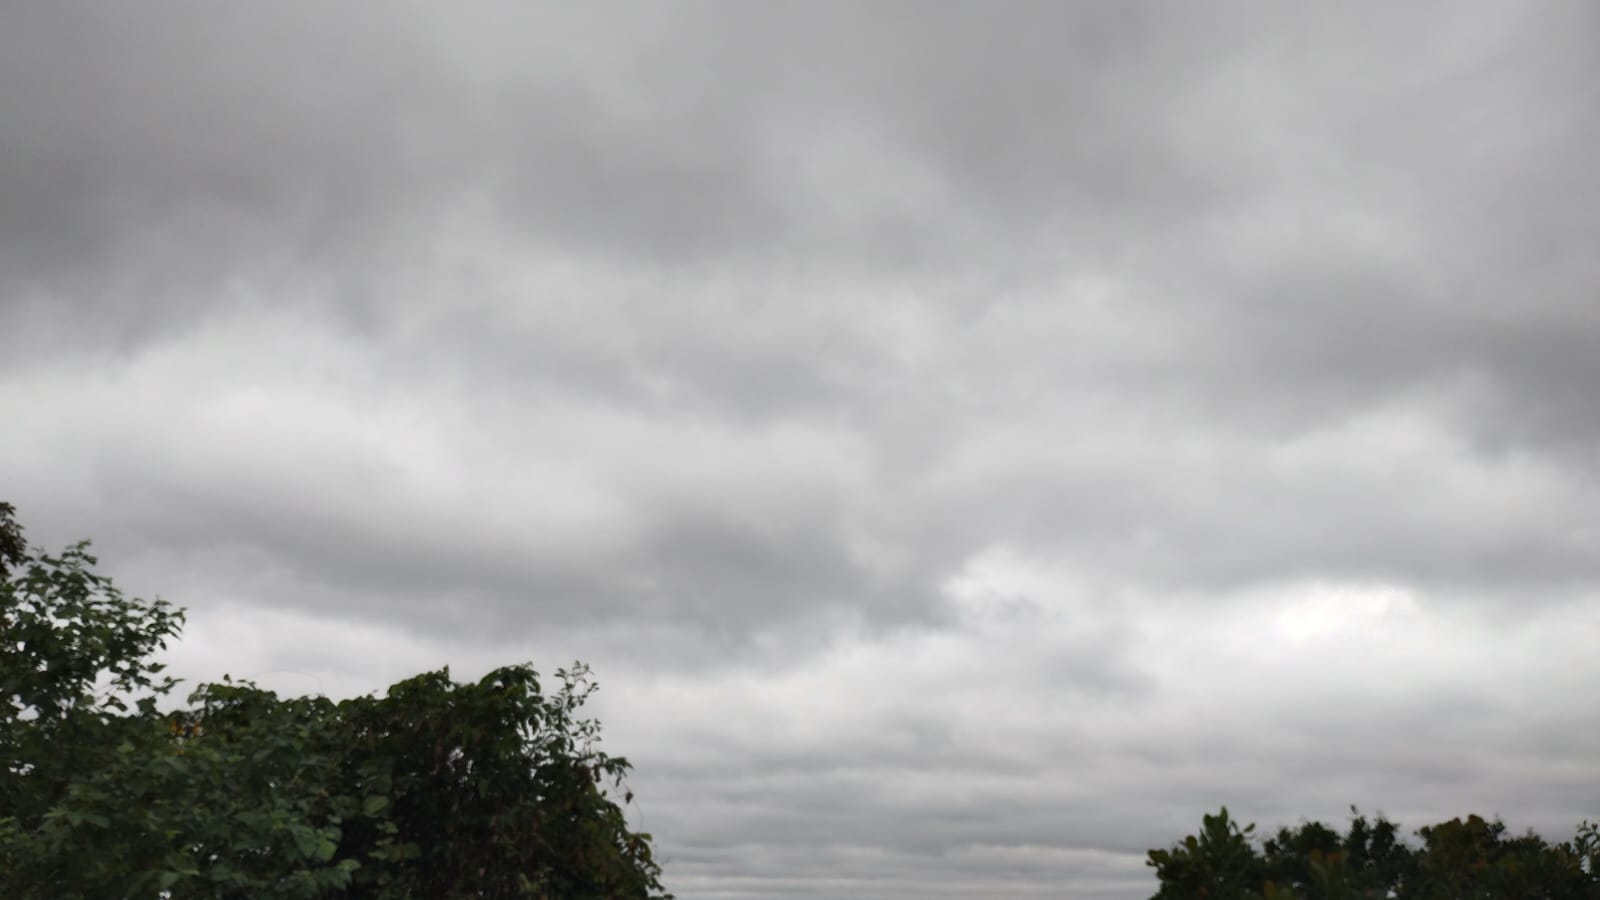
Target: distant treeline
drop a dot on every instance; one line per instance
(1470, 859)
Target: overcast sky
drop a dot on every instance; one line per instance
(969, 441)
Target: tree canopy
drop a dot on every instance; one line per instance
(439, 789)
(1462, 859)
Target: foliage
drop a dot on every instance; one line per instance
(73, 651)
(12, 546)
(435, 789)
(1218, 862)
(1469, 859)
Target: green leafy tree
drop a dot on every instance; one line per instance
(436, 789)
(1469, 859)
(492, 785)
(1316, 862)
(1217, 864)
(74, 652)
(1474, 858)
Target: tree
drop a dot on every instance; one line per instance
(1474, 858)
(436, 789)
(1317, 862)
(1469, 859)
(1219, 863)
(73, 652)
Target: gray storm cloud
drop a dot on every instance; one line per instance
(969, 440)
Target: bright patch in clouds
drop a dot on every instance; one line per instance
(1343, 612)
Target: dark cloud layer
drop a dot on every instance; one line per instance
(971, 440)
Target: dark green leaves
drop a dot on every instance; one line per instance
(1458, 859)
(12, 547)
(436, 789)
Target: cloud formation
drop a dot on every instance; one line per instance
(968, 441)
